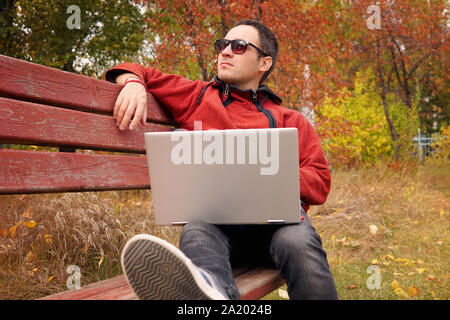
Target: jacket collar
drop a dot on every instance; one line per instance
(260, 93)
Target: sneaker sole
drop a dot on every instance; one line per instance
(157, 270)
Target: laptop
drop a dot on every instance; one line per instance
(239, 176)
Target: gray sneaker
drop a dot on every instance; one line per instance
(157, 270)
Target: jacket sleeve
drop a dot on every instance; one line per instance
(174, 92)
(315, 176)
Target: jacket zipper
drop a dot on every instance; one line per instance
(227, 90)
(267, 113)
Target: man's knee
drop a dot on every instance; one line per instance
(295, 241)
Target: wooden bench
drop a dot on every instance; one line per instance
(44, 106)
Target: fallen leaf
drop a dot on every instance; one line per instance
(29, 224)
(374, 261)
(50, 279)
(419, 261)
(373, 229)
(85, 248)
(389, 256)
(398, 274)
(102, 257)
(12, 230)
(413, 291)
(352, 286)
(395, 285)
(401, 293)
(48, 238)
(420, 270)
(431, 277)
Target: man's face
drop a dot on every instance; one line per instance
(241, 70)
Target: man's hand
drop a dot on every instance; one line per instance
(131, 104)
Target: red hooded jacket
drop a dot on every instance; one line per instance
(222, 106)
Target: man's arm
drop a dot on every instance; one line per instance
(315, 176)
(131, 102)
(174, 92)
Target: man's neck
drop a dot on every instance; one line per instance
(247, 86)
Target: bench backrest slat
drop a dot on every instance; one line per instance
(37, 83)
(44, 106)
(38, 172)
(31, 123)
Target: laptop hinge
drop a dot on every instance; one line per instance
(176, 223)
(275, 221)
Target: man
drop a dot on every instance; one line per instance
(235, 99)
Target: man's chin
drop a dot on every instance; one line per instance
(225, 77)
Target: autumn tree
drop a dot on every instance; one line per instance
(109, 32)
(405, 45)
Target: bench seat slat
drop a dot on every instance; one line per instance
(263, 281)
(91, 290)
(258, 282)
(31, 123)
(38, 172)
(29, 81)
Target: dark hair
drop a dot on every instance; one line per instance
(268, 42)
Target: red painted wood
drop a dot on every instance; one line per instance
(120, 293)
(33, 82)
(258, 282)
(93, 289)
(37, 172)
(252, 285)
(31, 123)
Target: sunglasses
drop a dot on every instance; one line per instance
(237, 46)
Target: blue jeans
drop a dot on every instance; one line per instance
(295, 249)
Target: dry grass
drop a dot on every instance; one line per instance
(40, 235)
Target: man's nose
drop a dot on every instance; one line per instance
(227, 51)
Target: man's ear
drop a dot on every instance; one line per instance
(265, 63)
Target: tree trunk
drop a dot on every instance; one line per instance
(383, 94)
(394, 133)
